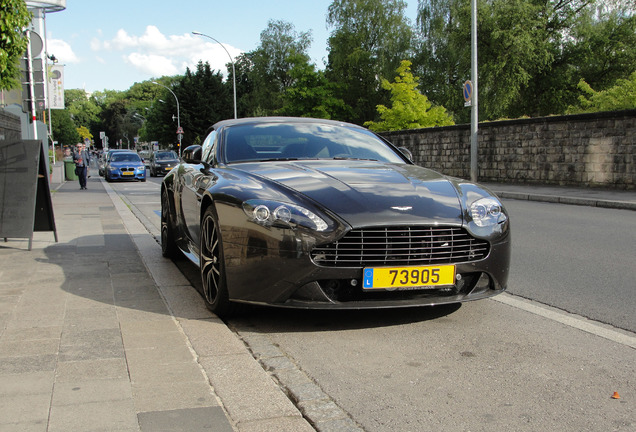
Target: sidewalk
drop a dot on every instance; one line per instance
(617, 199)
(98, 332)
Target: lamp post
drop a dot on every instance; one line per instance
(231, 60)
(179, 132)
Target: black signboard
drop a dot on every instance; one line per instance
(25, 197)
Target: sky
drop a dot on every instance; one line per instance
(113, 44)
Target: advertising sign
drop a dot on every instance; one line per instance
(56, 87)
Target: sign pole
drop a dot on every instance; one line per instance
(29, 63)
(474, 108)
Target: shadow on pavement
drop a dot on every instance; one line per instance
(107, 269)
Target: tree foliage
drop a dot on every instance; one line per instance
(263, 75)
(65, 131)
(531, 54)
(409, 108)
(14, 17)
(536, 58)
(369, 40)
(84, 133)
(311, 94)
(619, 97)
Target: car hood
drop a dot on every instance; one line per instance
(369, 193)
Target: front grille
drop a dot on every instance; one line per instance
(401, 246)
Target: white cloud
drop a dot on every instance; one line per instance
(122, 41)
(62, 51)
(157, 54)
(96, 44)
(155, 65)
(214, 54)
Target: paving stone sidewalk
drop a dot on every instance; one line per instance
(90, 341)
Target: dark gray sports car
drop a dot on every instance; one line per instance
(308, 213)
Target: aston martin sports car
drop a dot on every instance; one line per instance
(308, 213)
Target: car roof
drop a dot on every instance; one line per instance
(262, 120)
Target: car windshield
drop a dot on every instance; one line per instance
(169, 155)
(125, 157)
(293, 141)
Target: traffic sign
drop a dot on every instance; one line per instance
(180, 130)
(468, 93)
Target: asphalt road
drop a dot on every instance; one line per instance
(494, 364)
(579, 259)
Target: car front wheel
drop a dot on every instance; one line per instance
(213, 266)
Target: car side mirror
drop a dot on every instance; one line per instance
(406, 152)
(192, 154)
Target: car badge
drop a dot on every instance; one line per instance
(402, 208)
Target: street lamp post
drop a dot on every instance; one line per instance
(179, 133)
(231, 60)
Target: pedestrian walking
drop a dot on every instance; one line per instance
(82, 161)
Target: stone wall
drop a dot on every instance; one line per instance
(595, 150)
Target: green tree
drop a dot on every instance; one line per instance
(83, 133)
(369, 40)
(409, 108)
(310, 95)
(531, 54)
(205, 99)
(64, 130)
(619, 97)
(84, 110)
(512, 37)
(14, 17)
(263, 75)
(116, 124)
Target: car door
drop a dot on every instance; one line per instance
(195, 180)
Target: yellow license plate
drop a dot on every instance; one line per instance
(408, 277)
(128, 173)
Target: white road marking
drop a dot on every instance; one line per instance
(567, 319)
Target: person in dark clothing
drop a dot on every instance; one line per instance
(82, 161)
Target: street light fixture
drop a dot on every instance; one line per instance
(179, 131)
(231, 60)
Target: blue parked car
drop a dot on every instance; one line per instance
(125, 165)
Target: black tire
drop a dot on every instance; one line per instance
(212, 266)
(168, 243)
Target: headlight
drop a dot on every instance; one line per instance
(487, 212)
(272, 213)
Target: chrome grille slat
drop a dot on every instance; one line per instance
(401, 246)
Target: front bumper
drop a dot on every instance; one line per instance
(163, 169)
(127, 175)
(285, 277)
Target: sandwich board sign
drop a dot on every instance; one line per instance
(25, 195)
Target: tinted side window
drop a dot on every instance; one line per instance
(208, 148)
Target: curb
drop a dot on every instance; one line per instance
(590, 202)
